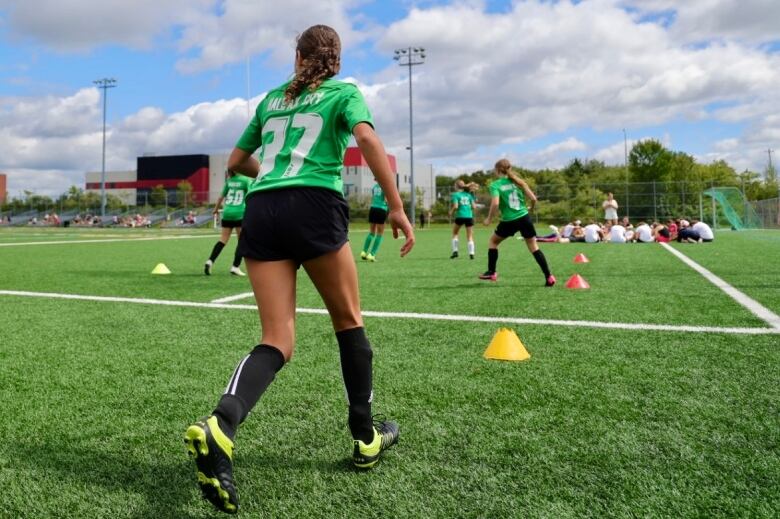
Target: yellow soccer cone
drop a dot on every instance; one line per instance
(161, 269)
(506, 345)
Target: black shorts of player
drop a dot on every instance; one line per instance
(468, 222)
(522, 224)
(296, 224)
(377, 215)
(230, 224)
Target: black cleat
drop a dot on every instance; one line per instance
(213, 454)
(454, 255)
(386, 435)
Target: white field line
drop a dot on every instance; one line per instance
(234, 298)
(107, 240)
(407, 315)
(756, 308)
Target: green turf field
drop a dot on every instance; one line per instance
(600, 422)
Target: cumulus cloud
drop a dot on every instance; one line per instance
(78, 25)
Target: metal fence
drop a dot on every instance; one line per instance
(659, 201)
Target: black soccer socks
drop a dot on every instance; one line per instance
(356, 357)
(216, 250)
(492, 260)
(542, 261)
(250, 379)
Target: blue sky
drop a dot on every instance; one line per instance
(539, 82)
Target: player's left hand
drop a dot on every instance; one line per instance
(399, 221)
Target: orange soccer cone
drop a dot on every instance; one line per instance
(581, 258)
(577, 281)
(506, 345)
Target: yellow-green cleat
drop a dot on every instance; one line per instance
(386, 435)
(363, 255)
(371, 257)
(213, 454)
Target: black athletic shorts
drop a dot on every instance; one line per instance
(468, 222)
(297, 223)
(376, 215)
(231, 223)
(524, 224)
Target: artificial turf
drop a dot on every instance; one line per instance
(96, 395)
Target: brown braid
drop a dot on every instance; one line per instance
(320, 49)
(503, 166)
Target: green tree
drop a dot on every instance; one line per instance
(649, 161)
(158, 196)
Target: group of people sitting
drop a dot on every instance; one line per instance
(680, 230)
(138, 220)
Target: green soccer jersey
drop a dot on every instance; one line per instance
(302, 143)
(378, 197)
(511, 199)
(463, 200)
(234, 193)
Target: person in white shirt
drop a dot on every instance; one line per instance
(569, 228)
(704, 230)
(617, 234)
(643, 233)
(610, 206)
(592, 233)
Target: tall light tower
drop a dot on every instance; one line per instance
(625, 165)
(410, 57)
(104, 84)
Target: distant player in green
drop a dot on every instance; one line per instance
(296, 216)
(463, 206)
(234, 197)
(377, 214)
(509, 193)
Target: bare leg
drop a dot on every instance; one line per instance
(335, 277)
(273, 283)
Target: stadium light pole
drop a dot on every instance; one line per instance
(410, 57)
(104, 84)
(625, 165)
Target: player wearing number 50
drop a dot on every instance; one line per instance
(234, 197)
(296, 215)
(509, 193)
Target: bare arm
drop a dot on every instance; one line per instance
(219, 204)
(492, 210)
(374, 152)
(244, 163)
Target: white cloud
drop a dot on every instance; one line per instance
(78, 25)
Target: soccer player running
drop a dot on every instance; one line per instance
(377, 214)
(463, 206)
(509, 193)
(234, 197)
(296, 215)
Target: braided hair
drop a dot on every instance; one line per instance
(320, 50)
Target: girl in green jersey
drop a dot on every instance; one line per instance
(296, 216)
(509, 193)
(377, 214)
(463, 207)
(234, 197)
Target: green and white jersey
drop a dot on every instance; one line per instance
(234, 193)
(463, 201)
(378, 197)
(511, 199)
(302, 143)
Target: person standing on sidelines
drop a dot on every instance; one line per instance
(296, 215)
(234, 197)
(509, 193)
(610, 206)
(377, 214)
(463, 207)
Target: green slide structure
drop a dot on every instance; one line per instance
(737, 210)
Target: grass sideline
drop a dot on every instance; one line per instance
(598, 423)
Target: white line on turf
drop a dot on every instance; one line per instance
(66, 242)
(407, 315)
(233, 298)
(756, 308)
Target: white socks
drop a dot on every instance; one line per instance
(471, 248)
(454, 245)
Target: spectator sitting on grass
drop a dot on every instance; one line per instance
(661, 233)
(617, 234)
(704, 230)
(593, 232)
(687, 234)
(643, 233)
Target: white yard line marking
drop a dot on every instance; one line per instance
(234, 298)
(407, 315)
(65, 242)
(756, 308)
